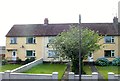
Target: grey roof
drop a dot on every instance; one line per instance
(54, 29)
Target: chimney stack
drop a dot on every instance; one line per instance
(115, 20)
(46, 21)
(115, 23)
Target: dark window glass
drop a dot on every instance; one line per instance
(109, 53)
(30, 53)
(31, 40)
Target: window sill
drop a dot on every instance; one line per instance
(30, 43)
(29, 56)
(13, 43)
(109, 43)
(53, 57)
(109, 57)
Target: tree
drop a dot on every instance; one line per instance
(67, 44)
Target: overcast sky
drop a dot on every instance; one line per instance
(57, 11)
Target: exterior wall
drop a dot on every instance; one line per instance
(105, 46)
(113, 77)
(21, 52)
(2, 49)
(42, 50)
(73, 77)
(23, 76)
(119, 46)
(45, 48)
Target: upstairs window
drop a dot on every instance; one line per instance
(109, 53)
(51, 53)
(30, 53)
(109, 39)
(50, 39)
(30, 40)
(13, 40)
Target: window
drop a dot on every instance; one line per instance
(51, 53)
(13, 40)
(109, 39)
(109, 53)
(30, 40)
(30, 53)
(50, 39)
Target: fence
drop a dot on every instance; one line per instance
(73, 77)
(113, 77)
(27, 66)
(23, 76)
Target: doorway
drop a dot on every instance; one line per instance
(14, 55)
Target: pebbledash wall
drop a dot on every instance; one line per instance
(105, 46)
(21, 52)
(8, 75)
(54, 76)
(41, 48)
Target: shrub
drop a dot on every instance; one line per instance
(18, 60)
(28, 60)
(116, 61)
(102, 62)
(32, 59)
(4, 62)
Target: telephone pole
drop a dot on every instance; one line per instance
(80, 42)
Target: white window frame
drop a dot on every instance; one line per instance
(112, 39)
(112, 52)
(33, 53)
(33, 40)
(13, 40)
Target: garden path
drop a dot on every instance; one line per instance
(94, 69)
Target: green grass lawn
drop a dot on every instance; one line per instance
(105, 69)
(87, 69)
(48, 69)
(8, 67)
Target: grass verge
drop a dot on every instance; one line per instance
(9, 67)
(105, 69)
(48, 69)
(87, 69)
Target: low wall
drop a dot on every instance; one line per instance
(73, 77)
(8, 75)
(114, 77)
(1, 75)
(27, 66)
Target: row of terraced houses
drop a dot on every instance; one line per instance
(32, 40)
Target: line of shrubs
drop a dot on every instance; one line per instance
(19, 61)
(105, 62)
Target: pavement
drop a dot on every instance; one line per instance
(65, 76)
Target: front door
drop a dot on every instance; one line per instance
(14, 55)
(90, 57)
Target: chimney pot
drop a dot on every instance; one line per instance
(46, 21)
